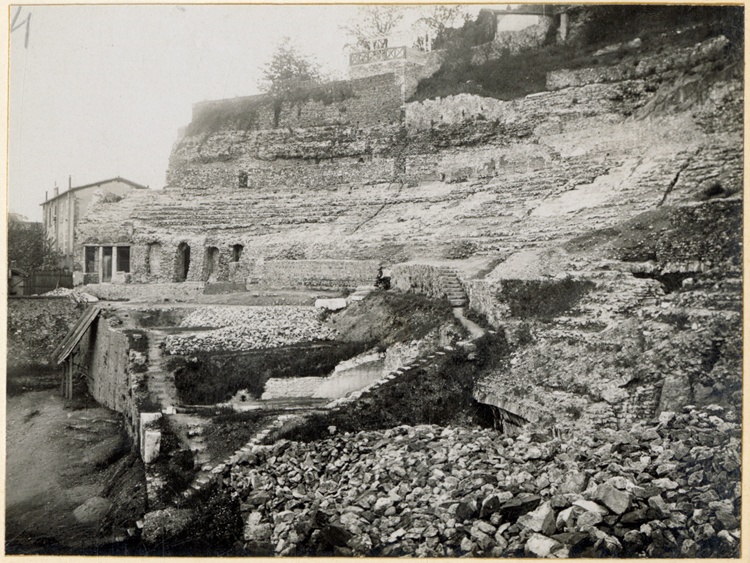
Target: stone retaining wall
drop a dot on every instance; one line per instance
(417, 278)
(113, 378)
(314, 274)
(362, 102)
(187, 291)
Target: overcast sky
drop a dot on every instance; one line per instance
(100, 91)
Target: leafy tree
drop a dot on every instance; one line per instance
(28, 247)
(439, 16)
(288, 68)
(374, 21)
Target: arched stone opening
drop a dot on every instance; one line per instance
(182, 267)
(237, 252)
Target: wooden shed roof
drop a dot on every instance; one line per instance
(75, 334)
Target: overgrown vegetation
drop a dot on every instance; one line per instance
(226, 433)
(712, 231)
(216, 529)
(516, 75)
(175, 465)
(209, 378)
(387, 317)
(28, 246)
(440, 393)
(287, 67)
(542, 298)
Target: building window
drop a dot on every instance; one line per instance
(237, 252)
(92, 260)
(123, 259)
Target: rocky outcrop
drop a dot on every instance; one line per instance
(642, 67)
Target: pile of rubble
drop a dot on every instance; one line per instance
(75, 295)
(248, 328)
(667, 488)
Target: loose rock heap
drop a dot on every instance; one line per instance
(247, 328)
(667, 488)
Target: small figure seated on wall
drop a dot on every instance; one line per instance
(242, 179)
(383, 281)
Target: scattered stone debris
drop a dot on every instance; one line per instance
(248, 328)
(76, 295)
(668, 488)
(331, 304)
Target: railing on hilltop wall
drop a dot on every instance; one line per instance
(389, 54)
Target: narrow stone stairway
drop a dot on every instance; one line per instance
(361, 292)
(161, 386)
(452, 287)
(160, 383)
(189, 428)
(208, 473)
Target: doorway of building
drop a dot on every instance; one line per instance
(106, 264)
(183, 262)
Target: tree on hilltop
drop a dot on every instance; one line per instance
(439, 16)
(288, 68)
(374, 21)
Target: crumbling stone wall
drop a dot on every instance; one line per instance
(406, 72)
(512, 41)
(111, 379)
(417, 278)
(187, 291)
(362, 102)
(498, 175)
(312, 158)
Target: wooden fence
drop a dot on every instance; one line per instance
(43, 281)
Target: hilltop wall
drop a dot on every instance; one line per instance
(361, 102)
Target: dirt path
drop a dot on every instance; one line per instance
(55, 460)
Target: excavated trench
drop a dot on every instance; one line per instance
(216, 398)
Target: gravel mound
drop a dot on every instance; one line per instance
(667, 488)
(248, 328)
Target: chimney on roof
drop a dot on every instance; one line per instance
(45, 195)
(57, 191)
(70, 181)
